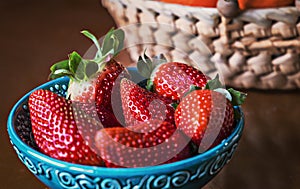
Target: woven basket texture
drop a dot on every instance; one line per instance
(258, 49)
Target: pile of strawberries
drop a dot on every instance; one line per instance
(106, 119)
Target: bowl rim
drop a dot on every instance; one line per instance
(16, 141)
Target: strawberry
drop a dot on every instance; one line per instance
(207, 116)
(88, 121)
(170, 79)
(141, 105)
(92, 80)
(55, 128)
(141, 145)
(108, 100)
(194, 114)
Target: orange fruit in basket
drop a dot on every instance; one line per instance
(199, 3)
(243, 4)
(248, 4)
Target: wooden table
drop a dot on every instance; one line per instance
(35, 34)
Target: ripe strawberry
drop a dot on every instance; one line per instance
(88, 121)
(92, 81)
(108, 100)
(54, 126)
(140, 145)
(140, 105)
(171, 79)
(207, 116)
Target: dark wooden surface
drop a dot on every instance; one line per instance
(34, 34)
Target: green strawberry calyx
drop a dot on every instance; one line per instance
(146, 66)
(80, 69)
(236, 98)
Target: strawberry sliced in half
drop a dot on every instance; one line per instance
(55, 129)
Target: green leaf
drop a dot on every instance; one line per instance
(214, 83)
(95, 41)
(120, 36)
(80, 71)
(113, 42)
(91, 69)
(148, 61)
(192, 88)
(144, 68)
(59, 69)
(78, 68)
(238, 98)
(74, 61)
(145, 65)
(108, 43)
(60, 73)
(60, 65)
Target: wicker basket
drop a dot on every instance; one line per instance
(258, 49)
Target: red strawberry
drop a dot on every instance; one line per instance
(140, 145)
(88, 121)
(55, 129)
(142, 105)
(92, 81)
(206, 116)
(171, 79)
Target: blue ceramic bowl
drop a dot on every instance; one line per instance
(193, 172)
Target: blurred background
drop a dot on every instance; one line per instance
(35, 34)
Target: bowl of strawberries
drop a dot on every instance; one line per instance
(99, 124)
